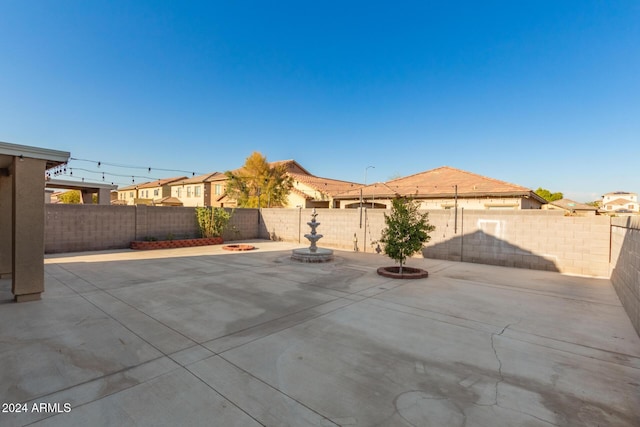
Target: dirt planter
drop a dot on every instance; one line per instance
(171, 244)
(407, 272)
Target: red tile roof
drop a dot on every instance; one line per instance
(207, 177)
(619, 201)
(441, 182)
(160, 182)
(327, 186)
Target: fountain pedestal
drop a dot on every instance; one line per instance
(313, 253)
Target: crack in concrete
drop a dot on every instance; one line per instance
(501, 377)
(495, 352)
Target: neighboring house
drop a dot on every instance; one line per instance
(440, 188)
(620, 202)
(156, 190)
(308, 190)
(570, 207)
(147, 192)
(197, 191)
(127, 195)
(311, 191)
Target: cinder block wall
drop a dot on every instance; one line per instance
(162, 223)
(544, 240)
(536, 239)
(625, 265)
(74, 228)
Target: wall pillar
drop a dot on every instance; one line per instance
(104, 196)
(6, 213)
(86, 197)
(28, 228)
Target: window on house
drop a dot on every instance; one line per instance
(131, 194)
(196, 191)
(218, 189)
(188, 191)
(156, 192)
(179, 192)
(631, 207)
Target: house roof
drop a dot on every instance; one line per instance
(325, 185)
(207, 177)
(619, 201)
(168, 201)
(291, 165)
(128, 187)
(442, 182)
(571, 205)
(620, 193)
(161, 182)
(301, 194)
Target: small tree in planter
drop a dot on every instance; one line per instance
(407, 230)
(212, 221)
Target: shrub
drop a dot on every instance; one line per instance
(407, 230)
(212, 221)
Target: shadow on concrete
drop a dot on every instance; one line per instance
(482, 248)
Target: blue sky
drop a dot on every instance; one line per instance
(538, 93)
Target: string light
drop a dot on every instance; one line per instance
(117, 165)
(76, 173)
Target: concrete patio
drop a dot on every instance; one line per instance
(201, 336)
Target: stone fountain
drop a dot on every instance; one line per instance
(313, 253)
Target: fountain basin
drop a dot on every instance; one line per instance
(305, 255)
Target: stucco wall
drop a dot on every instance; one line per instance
(73, 228)
(625, 264)
(536, 239)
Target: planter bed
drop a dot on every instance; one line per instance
(170, 244)
(407, 272)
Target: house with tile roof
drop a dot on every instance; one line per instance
(127, 195)
(197, 190)
(440, 188)
(145, 193)
(620, 202)
(570, 207)
(310, 191)
(156, 190)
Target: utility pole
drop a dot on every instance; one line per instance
(455, 221)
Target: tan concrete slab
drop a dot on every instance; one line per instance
(266, 404)
(201, 336)
(174, 399)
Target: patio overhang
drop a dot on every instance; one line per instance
(22, 186)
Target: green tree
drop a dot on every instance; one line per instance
(259, 184)
(71, 197)
(407, 230)
(548, 195)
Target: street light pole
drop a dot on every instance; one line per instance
(365, 173)
(365, 180)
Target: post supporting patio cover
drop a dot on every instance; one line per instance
(22, 182)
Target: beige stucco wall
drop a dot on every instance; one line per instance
(186, 194)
